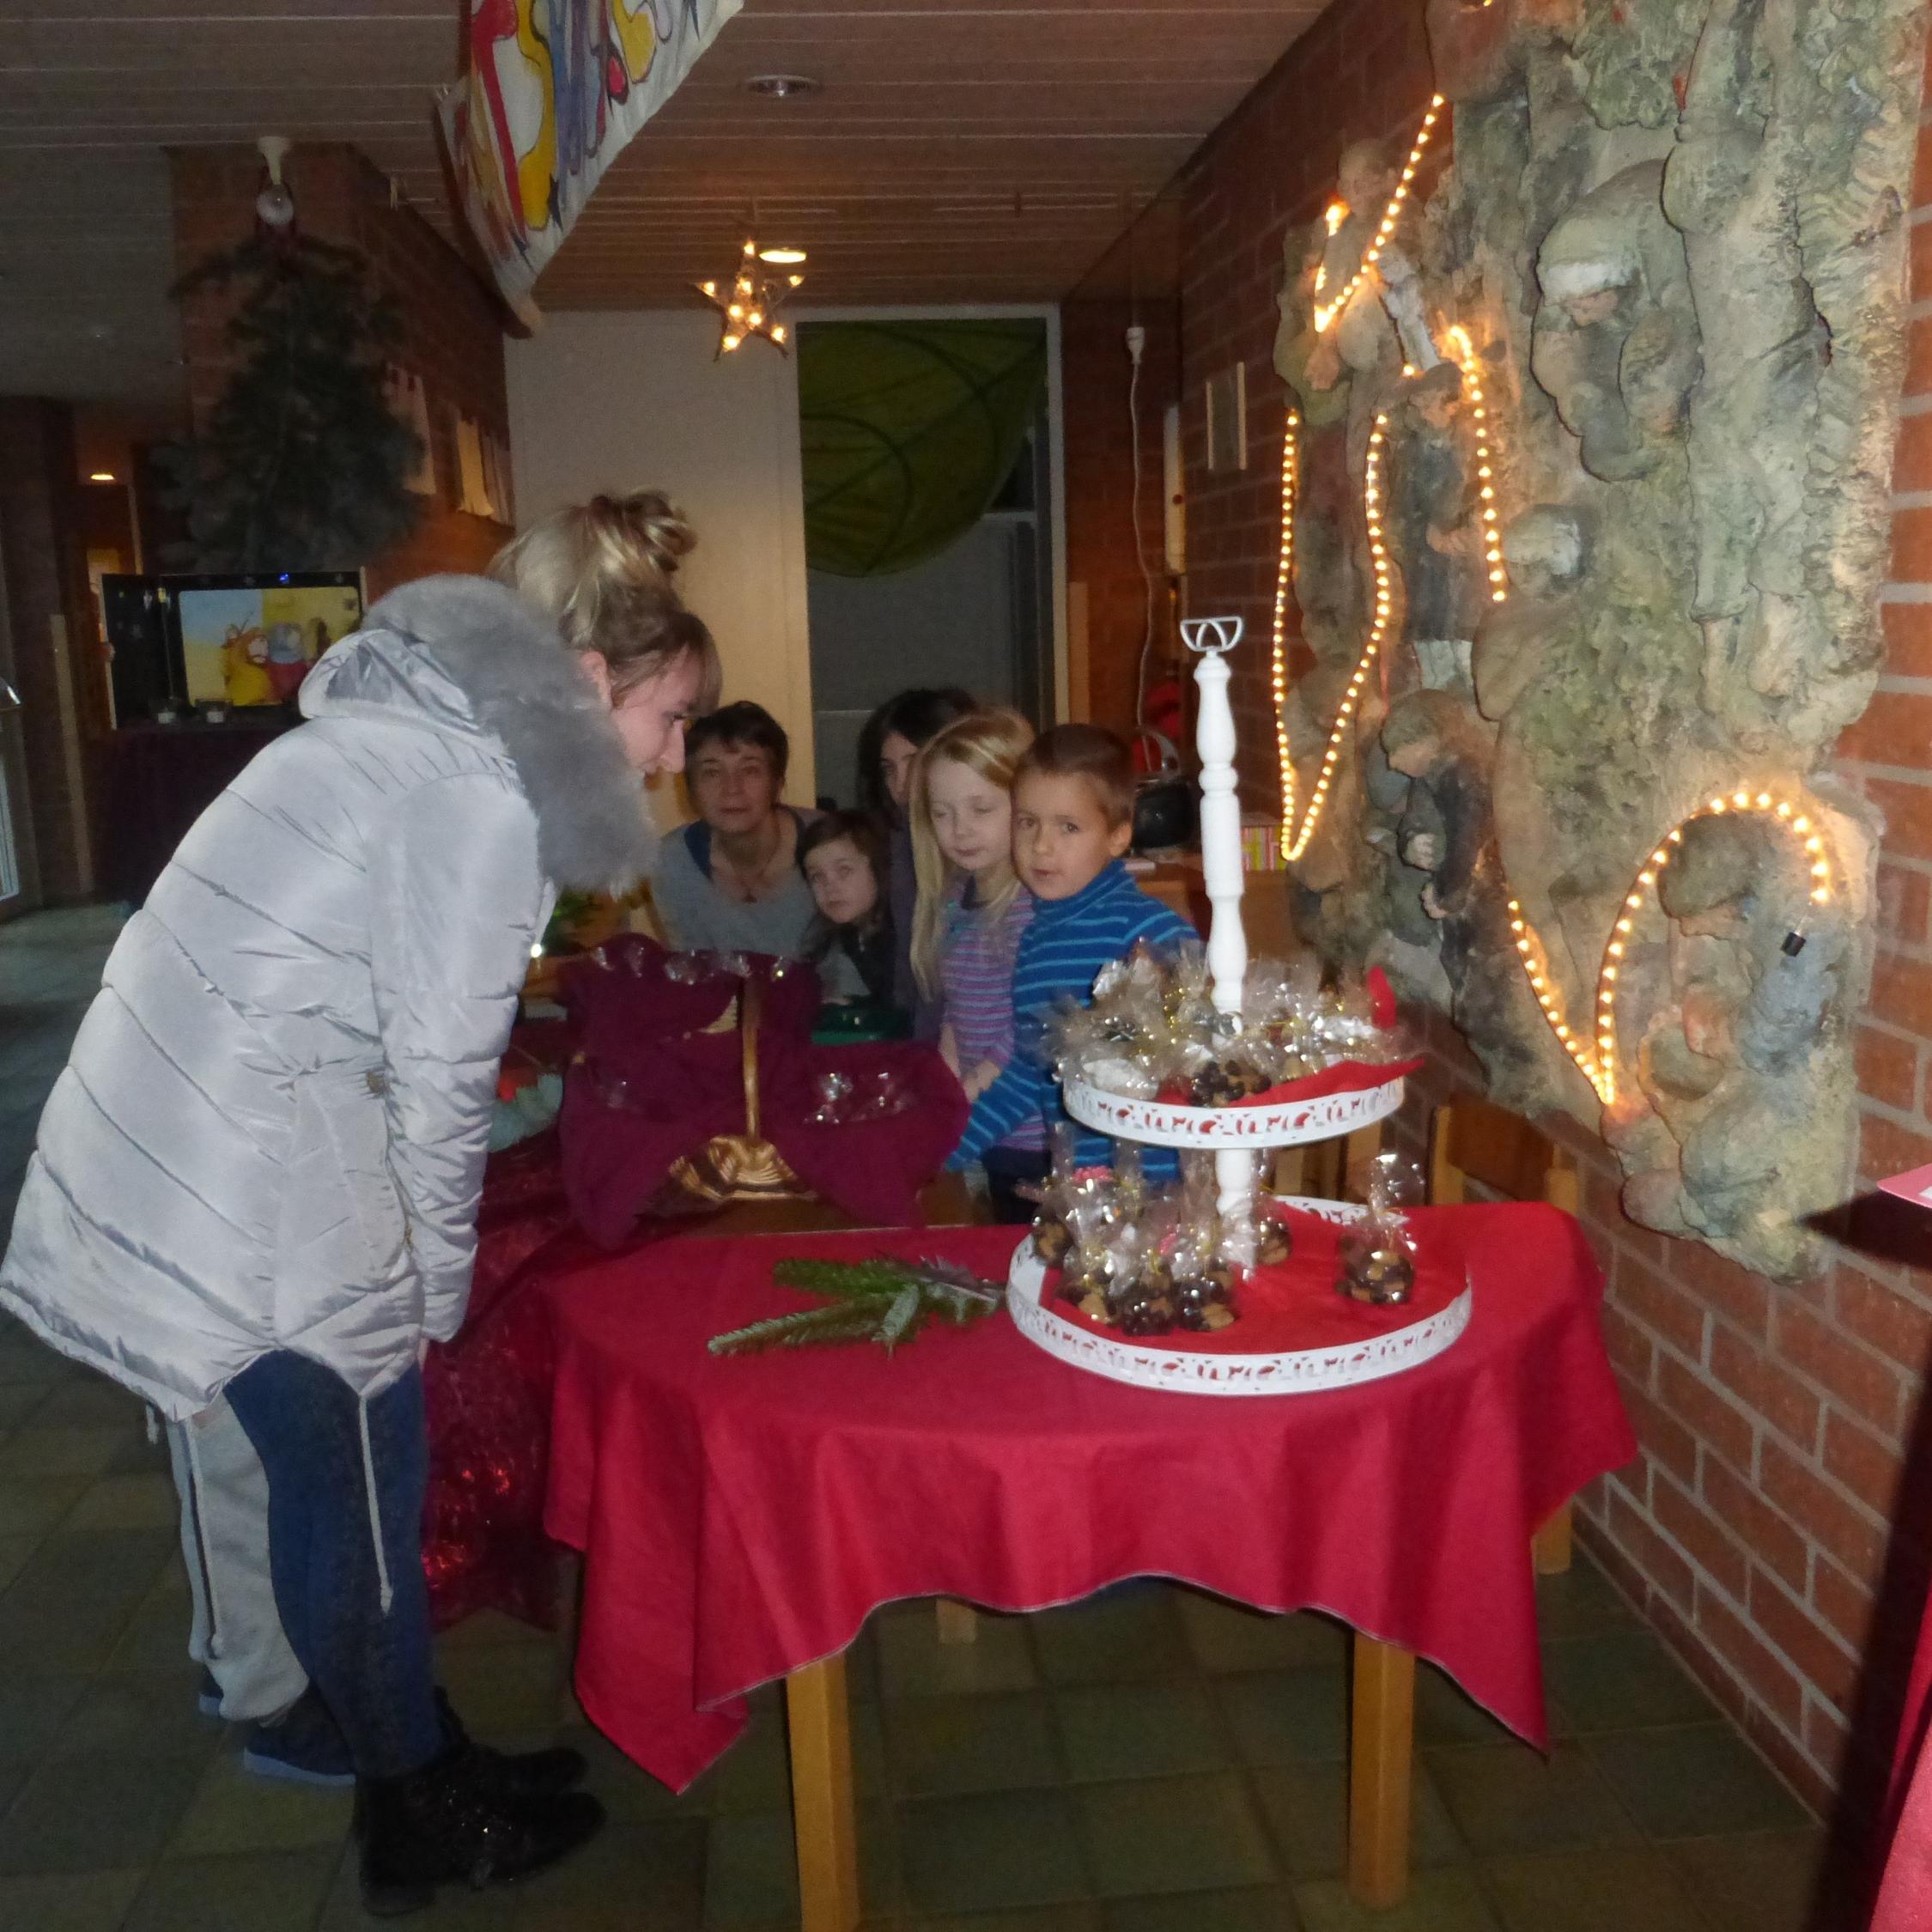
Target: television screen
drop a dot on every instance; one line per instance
(249, 640)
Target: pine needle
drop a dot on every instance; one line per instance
(882, 1300)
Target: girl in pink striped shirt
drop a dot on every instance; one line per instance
(971, 908)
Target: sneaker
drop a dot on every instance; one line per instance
(302, 1745)
(207, 1696)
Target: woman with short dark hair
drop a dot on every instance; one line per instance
(729, 882)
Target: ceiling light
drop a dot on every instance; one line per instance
(102, 476)
(786, 258)
(274, 204)
(783, 87)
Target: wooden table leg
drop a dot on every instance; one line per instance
(1551, 1544)
(1381, 1745)
(958, 1622)
(820, 1722)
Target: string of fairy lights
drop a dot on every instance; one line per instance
(1595, 1057)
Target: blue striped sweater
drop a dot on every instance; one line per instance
(1061, 951)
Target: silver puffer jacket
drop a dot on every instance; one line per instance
(271, 1132)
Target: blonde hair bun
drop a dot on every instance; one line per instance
(575, 562)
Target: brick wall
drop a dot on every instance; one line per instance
(1779, 1424)
(453, 336)
(1095, 375)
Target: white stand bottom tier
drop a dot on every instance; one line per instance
(1199, 1372)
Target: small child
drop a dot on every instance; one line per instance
(1072, 822)
(843, 858)
(972, 908)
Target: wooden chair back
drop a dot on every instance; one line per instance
(1474, 1139)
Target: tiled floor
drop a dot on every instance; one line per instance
(1153, 1761)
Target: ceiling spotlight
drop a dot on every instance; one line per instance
(783, 87)
(102, 476)
(783, 257)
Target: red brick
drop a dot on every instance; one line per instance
(1902, 991)
(1822, 1658)
(1918, 381)
(1911, 530)
(1660, 1433)
(1842, 1605)
(1887, 1065)
(1829, 1516)
(1721, 1284)
(1895, 730)
(1828, 1738)
(1883, 1319)
(1907, 806)
(1885, 1147)
(1765, 1387)
(1870, 1469)
(1658, 1562)
(1689, 1395)
(1908, 639)
(1867, 1387)
(1709, 1544)
(1768, 1677)
(1631, 1349)
(1911, 464)
(1666, 1312)
(1769, 1536)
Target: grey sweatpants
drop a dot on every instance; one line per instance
(236, 1634)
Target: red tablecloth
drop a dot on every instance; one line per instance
(741, 1518)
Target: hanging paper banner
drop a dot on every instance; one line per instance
(409, 402)
(555, 89)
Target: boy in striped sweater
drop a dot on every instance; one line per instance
(1072, 822)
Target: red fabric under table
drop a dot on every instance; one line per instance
(741, 1518)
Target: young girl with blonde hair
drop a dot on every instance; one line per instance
(972, 908)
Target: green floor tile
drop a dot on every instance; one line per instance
(1256, 1908)
(19, 1400)
(1446, 1714)
(457, 1909)
(505, 1687)
(282, 1891)
(68, 1901)
(149, 1713)
(70, 1605)
(1622, 1681)
(1759, 1881)
(41, 1449)
(139, 1501)
(1604, 1890)
(1230, 1636)
(750, 1871)
(91, 1402)
(1579, 1602)
(1306, 1807)
(1692, 1782)
(1001, 1743)
(32, 1506)
(1147, 1729)
(627, 1791)
(1083, 1916)
(105, 1812)
(990, 1850)
(1134, 1633)
(234, 1811)
(1506, 1799)
(1442, 1901)
(1174, 1834)
(33, 1710)
(629, 1878)
(14, 1552)
(1287, 1716)
(756, 1773)
(914, 1663)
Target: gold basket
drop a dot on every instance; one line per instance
(739, 1166)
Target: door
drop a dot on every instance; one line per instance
(20, 884)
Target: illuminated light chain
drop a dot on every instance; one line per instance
(1485, 470)
(1295, 838)
(1278, 662)
(1326, 312)
(1597, 1061)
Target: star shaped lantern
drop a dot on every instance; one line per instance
(748, 304)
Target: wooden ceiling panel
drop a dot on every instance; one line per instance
(959, 150)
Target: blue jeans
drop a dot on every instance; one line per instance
(372, 1667)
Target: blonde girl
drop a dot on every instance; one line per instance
(971, 908)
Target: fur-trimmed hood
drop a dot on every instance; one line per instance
(466, 655)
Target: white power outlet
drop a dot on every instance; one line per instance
(1136, 342)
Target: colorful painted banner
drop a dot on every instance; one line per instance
(555, 89)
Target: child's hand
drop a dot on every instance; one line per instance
(980, 1079)
(949, 1052)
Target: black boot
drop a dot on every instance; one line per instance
(520, 1774)
(453, 1823)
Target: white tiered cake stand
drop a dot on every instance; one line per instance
(1237, 1136)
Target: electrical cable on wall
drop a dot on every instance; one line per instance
(1136, 343)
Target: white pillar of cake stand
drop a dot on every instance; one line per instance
(1211, 639)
